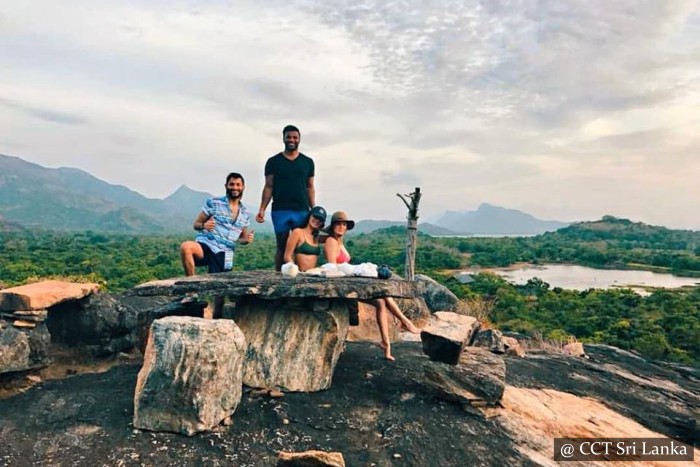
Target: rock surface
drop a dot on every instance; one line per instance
(373, 411)
(23, 349)
(310, 459)
(42, 295)
(437, 296)
(191, 375)
(477, 380)
(291, 346)
(446, 334)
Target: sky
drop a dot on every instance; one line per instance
(565, 110)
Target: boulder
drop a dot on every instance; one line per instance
(513, 346)
(310, 459)
(23, 349)
(42, 295)
(437, 296)
(191, 375)
(99, 323)
(491, 339)
(575, 349)
(292, 344)
(446, 335)
(477, 380)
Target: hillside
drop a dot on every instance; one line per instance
(72, 199)
(632, 234)
(489, 219)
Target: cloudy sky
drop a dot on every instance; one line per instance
(566, 110)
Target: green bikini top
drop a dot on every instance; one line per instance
(307, 249)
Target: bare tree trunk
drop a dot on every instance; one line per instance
(411, 232)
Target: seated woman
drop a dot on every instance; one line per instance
(302, 245)
(335, 252)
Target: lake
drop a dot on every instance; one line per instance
(574, 277)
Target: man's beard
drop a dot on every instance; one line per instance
(230, 195)
(291, 146)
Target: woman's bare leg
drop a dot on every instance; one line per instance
(396, 311)
(383, 323)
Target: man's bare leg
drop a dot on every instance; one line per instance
(189, 251)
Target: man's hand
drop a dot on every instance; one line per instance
(209, 224)
(260, 217)
(250, 237)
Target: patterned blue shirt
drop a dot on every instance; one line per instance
(227, 229)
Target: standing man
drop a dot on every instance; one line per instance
(222, 224)
(289, 183)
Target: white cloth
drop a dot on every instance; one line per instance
(364, 269)
(290, 269)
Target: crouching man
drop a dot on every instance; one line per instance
(222, 224)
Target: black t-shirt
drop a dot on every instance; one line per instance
(290, 181)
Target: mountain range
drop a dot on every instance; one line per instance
(33, 196)
(72, 199)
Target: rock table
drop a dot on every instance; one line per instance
(295, 328)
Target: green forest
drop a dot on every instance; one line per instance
(664, 325)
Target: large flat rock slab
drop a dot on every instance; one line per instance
(272, 285)
(42, 295)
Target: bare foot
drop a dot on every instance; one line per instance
(387, 351)
(388, 356)
(410, 327)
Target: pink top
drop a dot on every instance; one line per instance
(343, 256)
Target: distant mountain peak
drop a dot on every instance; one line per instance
(492, 219)
(186, 193)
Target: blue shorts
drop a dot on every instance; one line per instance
(285, 221)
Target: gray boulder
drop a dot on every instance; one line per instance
(191, 375)
(23, 349)
(436, 296)
(491, 339)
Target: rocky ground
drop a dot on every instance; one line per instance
(376, 413)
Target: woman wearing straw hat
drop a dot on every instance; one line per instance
(335, 252)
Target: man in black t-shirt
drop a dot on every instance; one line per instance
(289, 183)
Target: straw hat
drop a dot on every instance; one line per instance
(340, 216)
